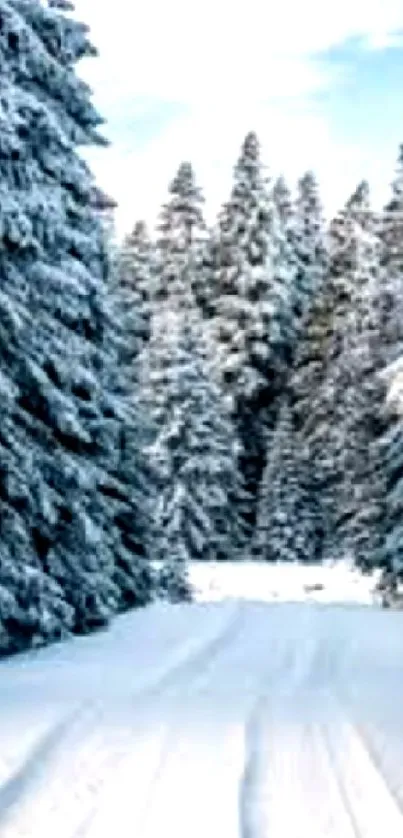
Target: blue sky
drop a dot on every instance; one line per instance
(322, 84)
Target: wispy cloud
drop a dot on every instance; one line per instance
(180, 81)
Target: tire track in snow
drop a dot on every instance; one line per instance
(32, 768)
(288, 687)
(58, 786)
(294, 790)
(309, 773)
(250, 781)
(255, 760)
(374, 808)
(198, 656)
(166, 743)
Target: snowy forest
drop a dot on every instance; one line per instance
(193, 392)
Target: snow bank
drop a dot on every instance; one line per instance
(284, 582)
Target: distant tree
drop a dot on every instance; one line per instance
(283, 201)
(285, 528)
(391, 222)
(252, 327)
(321, 382)
(360, 400)
(389, 555)
(204, 277)
(194, 454)
(179, 230)
(310, 246)
(242, 308)
(135, 279)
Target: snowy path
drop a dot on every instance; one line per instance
(240, 720)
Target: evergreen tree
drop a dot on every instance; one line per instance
(131, 492)
(283, 201)
(128, 492)
(61, 420)
(252, 328)
(310, 246)
(389, 556)
(377, 324)
(391, 223)
(285, 528)
(345, 235)
(204, 277)
(242, 308)
(193, 449)
(360, 399)
(135, 275)
(180, 230)
(194, 453)
(321, 379)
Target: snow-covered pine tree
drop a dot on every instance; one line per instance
(359, 401)
(285, 525)
(391, 222)
(252, 326)
(129, 490)
(180, 230)
(206, 261)
(194, 453)
(60, 423)
(318, 381)
(242, 310)
(345, 234)
(389, 300)
(135, 274)
(194, 450)
(284, 300)
(376, 354)
(310, 246)
(283, 201)
(303, 226)
(389, 556)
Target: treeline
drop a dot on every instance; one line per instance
(300, 324)
(198, 393)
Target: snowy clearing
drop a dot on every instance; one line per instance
(283, 582)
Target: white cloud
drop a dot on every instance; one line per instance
(235, 67)
(214, 49)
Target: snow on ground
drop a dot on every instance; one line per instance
(139, 648)
(42, 691)
(283, 582)
(237, 719)
(209, 718)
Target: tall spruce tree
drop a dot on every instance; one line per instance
(61, 418)
(135, 275)
(242, 309)
(378, 351)
(319, 383)
(389, 556)
(204, 276)
(360, 398)
(286, 526)
(252, 328)
(391, 222)
(194, 449)
(181, 227)
(310, 246)
(194, 454)
(284, 203)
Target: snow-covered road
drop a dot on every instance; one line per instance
(232, 719)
